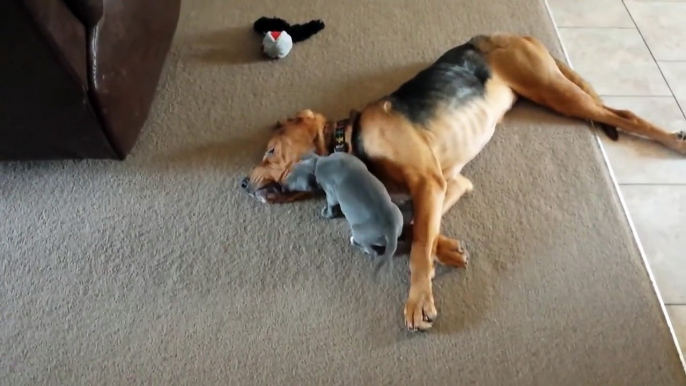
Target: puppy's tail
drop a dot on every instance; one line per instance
(387, 257)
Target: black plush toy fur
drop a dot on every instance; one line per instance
(298, 32)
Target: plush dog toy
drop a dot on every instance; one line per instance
(279, 35)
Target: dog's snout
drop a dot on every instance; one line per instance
(245, 183)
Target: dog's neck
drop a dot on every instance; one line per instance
(340, 136)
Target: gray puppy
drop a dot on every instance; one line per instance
(375, 221)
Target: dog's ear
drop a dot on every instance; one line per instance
(307, 113)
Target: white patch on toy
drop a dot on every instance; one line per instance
(277, 44)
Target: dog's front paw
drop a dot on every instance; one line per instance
(420, 311)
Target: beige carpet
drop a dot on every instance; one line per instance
(160, 271)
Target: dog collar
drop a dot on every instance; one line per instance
(339, 142)
(342, 134)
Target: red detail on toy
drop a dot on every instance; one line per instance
(275, 34)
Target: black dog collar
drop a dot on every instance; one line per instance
(343, 133)
(339, 142)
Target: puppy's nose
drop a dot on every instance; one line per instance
(245, 183)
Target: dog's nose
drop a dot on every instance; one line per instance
(245, 183)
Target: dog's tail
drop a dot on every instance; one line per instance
(387, 257)
(575, 78)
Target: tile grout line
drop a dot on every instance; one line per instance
(670, 87)
(653, 56)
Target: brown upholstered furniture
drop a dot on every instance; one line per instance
(78, 77)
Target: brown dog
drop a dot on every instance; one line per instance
(446, 114)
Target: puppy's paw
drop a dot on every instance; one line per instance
(355, 244)
(329, 212)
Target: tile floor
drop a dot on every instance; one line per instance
(634, 53)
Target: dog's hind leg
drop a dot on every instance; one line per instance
(528, 68)
(575, 78)
(565, 98)
(457, 186)
(449, 251)
(452, 252)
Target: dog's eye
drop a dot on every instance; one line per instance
(269, 152)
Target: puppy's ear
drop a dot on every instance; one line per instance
(308, 165)
(312, 180)
(309, 155)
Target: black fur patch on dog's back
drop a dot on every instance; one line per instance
(458, 76)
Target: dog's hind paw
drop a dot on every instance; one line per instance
(679, 143)
(610, 131)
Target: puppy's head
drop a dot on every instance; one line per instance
(301, 178)
(299, 135)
